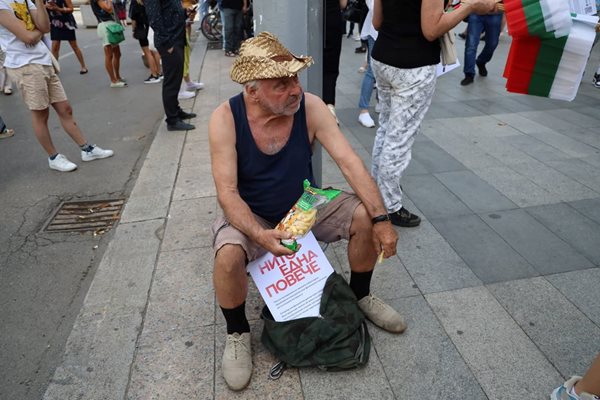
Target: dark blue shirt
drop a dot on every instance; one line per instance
(271, 183)
(167, 19)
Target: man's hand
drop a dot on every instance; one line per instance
(482, 6)
(270, 239)
(385, 238)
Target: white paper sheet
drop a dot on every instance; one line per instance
(291, 286)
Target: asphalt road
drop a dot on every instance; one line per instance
(44, 276)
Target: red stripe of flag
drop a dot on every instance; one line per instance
(525, 53)
(515, 18)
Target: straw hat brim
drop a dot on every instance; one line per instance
(248, 67)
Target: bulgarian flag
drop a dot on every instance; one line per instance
(551, 67)
(543, 18)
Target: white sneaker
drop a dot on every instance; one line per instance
(365, 120)
(356, 37)
(61, 163)
(95, 154)
(184, 95)
(191, 86)
(118, 84)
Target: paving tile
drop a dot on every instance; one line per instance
(580, 171)
(415, 168)
(581, 288)
(536, 148)
(571, 226)
(564, 143)
(368, 382)
(194, 182)
(452, 110)
(484, 251)
(567, 189)
(590, 208)
(518, 188)
(189, 224)
(195, 153)
(476, 193)
(563, 333)
(501, 149)
(495, 105)
(182, 294)
(433, 198)
(584, 135)
(568, 117)
(539, 246)
(505, 362)
(174, 364)
(431, 262)
(423, 359)
(434, 159)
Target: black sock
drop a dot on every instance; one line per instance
(360, 283)
(236, 319)
(53, 156)
(86, 147)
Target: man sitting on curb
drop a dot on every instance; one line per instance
(261, 145)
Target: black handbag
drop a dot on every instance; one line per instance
(355, 11)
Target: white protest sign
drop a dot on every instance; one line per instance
(291, 286)
(586, 7)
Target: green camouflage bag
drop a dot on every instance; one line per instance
(338, 339)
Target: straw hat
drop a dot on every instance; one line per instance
(264, 57)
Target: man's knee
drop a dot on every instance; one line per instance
(230, 259)
(361, 221)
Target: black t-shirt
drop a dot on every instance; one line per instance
(400, 42)
(101, 15)
(233, 4)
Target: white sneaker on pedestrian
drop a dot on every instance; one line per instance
(365, 120)
(185, 95)
(61, 163)
(118, 84)
(356, 37)
(191, 86)
(237, 360)
(95, 154)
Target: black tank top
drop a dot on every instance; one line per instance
(271, 184)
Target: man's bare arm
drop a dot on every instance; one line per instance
(17, 28)
(40, 17)
(221, 133)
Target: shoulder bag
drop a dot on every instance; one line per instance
(448, 48)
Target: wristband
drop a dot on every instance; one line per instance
(380, 218)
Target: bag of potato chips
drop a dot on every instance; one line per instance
(301, 218)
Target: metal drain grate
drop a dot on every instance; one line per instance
(82, 216)
(214, 45)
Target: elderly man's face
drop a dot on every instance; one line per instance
(280, 96)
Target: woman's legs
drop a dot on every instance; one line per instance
(108, 63)
(151, 61)
(117, 61)
(56, 48)
(78, 54)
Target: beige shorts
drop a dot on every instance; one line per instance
(39, 85)
(333, 224)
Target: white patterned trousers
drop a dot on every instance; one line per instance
(404, 96)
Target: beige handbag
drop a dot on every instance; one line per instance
(448, 48)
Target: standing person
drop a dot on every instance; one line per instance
(190, 87)
(261, 151)
(404, 58)
(62, 27)
(29, 64)
(232, 12)
(167, 19)
(332, 48)
(369, 34)
(491, 24)
(104, 12)
(139, 26)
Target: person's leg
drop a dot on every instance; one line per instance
(108, 63)
(151, 61)
(590, 383)
(239, 29)
(384, 92)
(65, 115)
(56, 48)
(156, 58)
(227, 16)
(173, 74)
(117, 61)
(78, 54)
(474, 28)
(491, 25)
(366, 90)
(39, 119)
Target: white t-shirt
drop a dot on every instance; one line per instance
(368, 29)
(17, 54)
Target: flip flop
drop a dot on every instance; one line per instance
(83, 71)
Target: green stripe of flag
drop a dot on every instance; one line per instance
(546, 65)
(534, 17)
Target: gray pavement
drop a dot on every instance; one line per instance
(499, 284)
